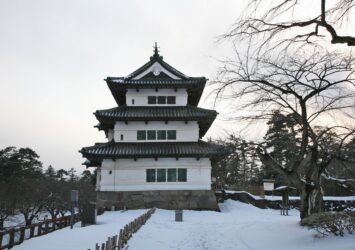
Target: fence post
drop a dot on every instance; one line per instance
(120, 239)
(22, 234)
(32, 231)
(53, 222)
(39, 230)
(12, 238)
(46, 227)
(1, 236)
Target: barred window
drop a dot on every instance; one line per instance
(171, 99)
(182, 174)
(166, 175)
(172, 175)
(161, 99)
(151, 134)
(141, 135)
(161, 175)
(171, 134)
(161, 134)
(152, 100)
(151, 174)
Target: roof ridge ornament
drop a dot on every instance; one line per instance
(156, 53)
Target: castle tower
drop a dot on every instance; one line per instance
(154, 155)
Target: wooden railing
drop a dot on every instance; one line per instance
(118, 242)
(16, 236)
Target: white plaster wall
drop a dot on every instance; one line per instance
(130, 175)
(184, 132)
(110, 134)
(141, 97)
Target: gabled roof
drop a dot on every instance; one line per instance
(108, 117)
(112, 150)
(156, 59)
(156, 74)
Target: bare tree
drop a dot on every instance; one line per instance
(32, 197)
(283, 23)
(307, 86)
(6, 204)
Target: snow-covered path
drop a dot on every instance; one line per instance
(239, 226)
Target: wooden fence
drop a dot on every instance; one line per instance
(118, 242)
(16, 236)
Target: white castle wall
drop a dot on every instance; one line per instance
(184, 131)
(110, 134)
(141, 97)
(130, 175)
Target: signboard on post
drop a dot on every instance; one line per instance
(268, 186)
(74, 198)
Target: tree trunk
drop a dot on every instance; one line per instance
(311, 193)
(311, 199)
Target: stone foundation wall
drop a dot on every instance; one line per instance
(166, 199)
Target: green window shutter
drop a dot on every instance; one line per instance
(141, 135)
(172, 174)
(161, 175)
(171, 100)
(152, 134)
(182, 174)
(171, 134)
(161, 134)
(152, 100)
(151, 175)
(161, 99)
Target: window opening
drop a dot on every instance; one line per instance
(171, 99)
(141, 135)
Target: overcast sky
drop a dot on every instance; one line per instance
(54, 56)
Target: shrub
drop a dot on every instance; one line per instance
(337, 223)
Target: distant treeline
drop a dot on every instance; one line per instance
(283, 140)
(28, 189)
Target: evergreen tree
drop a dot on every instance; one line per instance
(17, 164)
(241, 167)
(72, 175)
(61, 173)
(283, 138)
(50, 172)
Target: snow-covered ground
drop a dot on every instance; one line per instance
(84, 238)
(238, 226)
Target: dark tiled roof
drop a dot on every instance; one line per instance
(119, 85)
(205, 117)
(113, 150)
(143, 113)
(156, 58)
(158, 82)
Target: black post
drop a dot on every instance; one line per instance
(74, 197)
